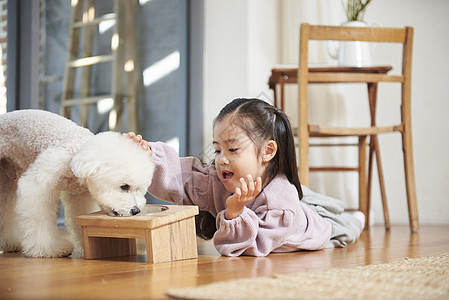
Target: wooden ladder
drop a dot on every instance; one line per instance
(122, 57)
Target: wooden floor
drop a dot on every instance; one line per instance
(132, 278)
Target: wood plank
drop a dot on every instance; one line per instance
(106, 247)
(94, 22)
(117, 75)
(88, 36)
(132, 278)
(333, 169)
(289, 74)
(172, 214)
(94, 231)
(90, 60)
(322, 77)
(180, 244)
(363, 197)
(184, 239)
(368, 34)
(318, 130)
(132, 81)
(86, 100)
(303, 110)
(160, 245)
(407, 143)
(333, 145)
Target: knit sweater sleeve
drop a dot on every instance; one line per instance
(185, 180)
(253, 234)
(275, 221)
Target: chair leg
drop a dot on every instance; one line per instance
(374, 149)
(410, 181)
(304, 162)
(363, 203)
(383, 193)
(370, 173)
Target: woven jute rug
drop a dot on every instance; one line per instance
(409, 278)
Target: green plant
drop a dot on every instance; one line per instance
(355, 9)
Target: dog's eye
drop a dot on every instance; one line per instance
(125, 187)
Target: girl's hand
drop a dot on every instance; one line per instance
(248, 191)
(138, 139)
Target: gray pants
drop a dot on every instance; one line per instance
(346, 228)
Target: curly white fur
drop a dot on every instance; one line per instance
(45, 159)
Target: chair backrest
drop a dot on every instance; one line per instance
(309, 32)
(402, 36)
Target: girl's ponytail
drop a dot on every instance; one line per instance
(283, 136)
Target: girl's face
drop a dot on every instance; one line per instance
(235, 155)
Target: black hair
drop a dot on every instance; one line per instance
(261, 122)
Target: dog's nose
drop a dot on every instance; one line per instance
(135, 210)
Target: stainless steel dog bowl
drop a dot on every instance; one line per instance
(152, 209)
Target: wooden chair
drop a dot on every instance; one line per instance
(402, 36)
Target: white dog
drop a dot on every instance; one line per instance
(45, 158)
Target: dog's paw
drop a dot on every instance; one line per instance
(9, 241)
(61, 248)
(65, 248)
(78, 253)
(10, 247)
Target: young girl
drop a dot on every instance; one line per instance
(252, 189)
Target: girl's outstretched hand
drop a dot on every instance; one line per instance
(138, 139)
(248, 191)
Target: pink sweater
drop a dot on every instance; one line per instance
(275, 221)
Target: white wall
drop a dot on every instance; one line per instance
(241, 44)
(244, 39)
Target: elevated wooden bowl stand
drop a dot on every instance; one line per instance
(169, 235)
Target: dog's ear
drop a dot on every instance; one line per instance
(86, 163)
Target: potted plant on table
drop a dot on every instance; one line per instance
(355, 9)
(352, 54)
